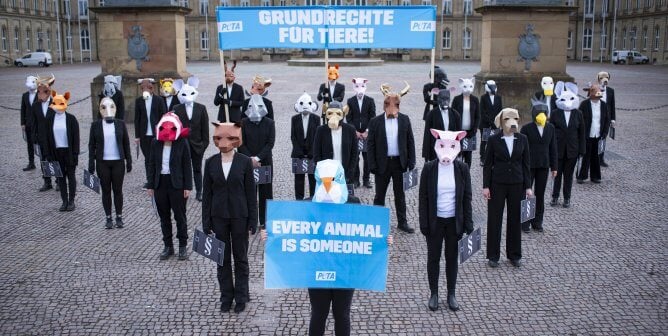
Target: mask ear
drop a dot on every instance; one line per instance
(559, 88)
(177, 85)
(193, 81)
(53, 93)
(460, 135)
(572, 87)
(435, 133)
(119, 80)
(497, 120)
(67, 95)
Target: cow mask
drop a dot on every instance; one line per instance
(335, 114)
(305, 104)
(146, 85)
(187, 92)
(330, 186)
(392, 100)
(226, 136)
(170, 128)
(359, 86)
(107, 109)
(447, 145)
(111, 85)
(508, 120)
(59, 102)
(567, 96)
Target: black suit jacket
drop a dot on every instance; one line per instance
(27, 117)
(542, 149)
(231, 197)
(170, 107)
(96, 142)
(119, 101)
(553, 100)
(570, 139)
(435, 120)
(429, 192)
(504, 168)
(267, 103)
(604, 125)
(72, 137)
(198, 125)
(323, 149)
(258, 139)
(158, 108)
(610, 101)
(302, 147)
(377, 144)
(430, 101)
(339, 93)
(488, 111)
(235, 101)
(180, 168)
(39, 127)
(458, 105)
(360, 117)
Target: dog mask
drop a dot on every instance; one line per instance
(187, 92)
(333, 72)
(330, 184)
(392, 100)
(226, 136)
(146, 85)
(359, 86)
(31, 83)
(305, 104)
(508, 120)
(567, 96)
(167, 87)
(490, 87)
(466, 85)
(44, 87)
(547, 83)
(59, 102)
(447, 145)
(335, 114)
(107, 109)
(603, 78)
(111, 85)
(170, 128)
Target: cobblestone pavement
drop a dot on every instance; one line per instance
(600, 268)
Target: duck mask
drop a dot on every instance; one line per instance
(490, 87)
(447, 145)
(187, 92)
(508, 120)
(256, 109)
(226, 136)
(107, 109)
(44, 87)
(167, 87)
(466, 85)
(330, 186)
(359, 86)
(305, 104)
(170, 128)
(59, 102)
(392, 100)
(603, 78)
(146, 85)
(567, 96)
(547, 83)
(111, 85)
(333, 72)
(31, 83)
(335, 114)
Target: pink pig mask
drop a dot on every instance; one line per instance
(447, 145)
(360, 86)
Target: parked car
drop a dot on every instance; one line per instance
(628, 56)
(42, 59)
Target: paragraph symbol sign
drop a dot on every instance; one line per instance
(207, 246)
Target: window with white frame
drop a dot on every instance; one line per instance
(187, 39)
(447, 39)
(184, 3)
(68, 39)
(604, 39)
(204, 40)
(388, 3)
(468, 7)
(447, 7)
(17, 34)
(657, 37)
(203, 7)
(35, 5)
(28, 39)
(360, 2)
(244, 3)
(66, 8)
(637, 4)
(40, 40)
(628, 5)
(266, 3)
(570, 2)
(282, 3)
(665, 41)
(426, 2)
(83, 8)
(405, 2)
(101, 3)
(85, 39)
(587, 39)
(48, 39)
(632, 37)
(604, 7)
(569, 40)
(624, 38)
(648, 3)
(225, 3)
(4, 39)
(25, 4)
(336, 2)
(466, 39)
(644, 38)
(589, 7)
(45, 6)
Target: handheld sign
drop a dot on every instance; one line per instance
(410, 178)
(527, 209)
(468, 144)
(469, 245)
(601, 146)
(488, 132)
(611, 133)
(361, 145)
(91, 181)
(262, 174)
(302, 166)
(51, 169)
(209, 247)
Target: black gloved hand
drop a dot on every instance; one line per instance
(128, 167)
(252, 228)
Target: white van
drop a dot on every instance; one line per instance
(622, 57)
(35, 58)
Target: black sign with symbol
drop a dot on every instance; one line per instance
(488, 132)
(302, 166)
(361, 145)
(410, 179)
(468, 144)
(51, 169)
(209, 247)
(527, 209)
(91, 181)
(469, 245)
(262, 174)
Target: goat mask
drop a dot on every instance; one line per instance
(170, 128)
(330, 184)
(508, 120)
(447, 145)
(392, 100)
(44, 87)
(226, 136)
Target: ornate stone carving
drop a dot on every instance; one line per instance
(138, 46)
(529, 47)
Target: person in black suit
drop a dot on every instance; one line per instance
(112, 89)
(391, 152)
(441, 118)
(259, 87)
(229, 209)
(229, 96)
(543, 151)
(546, 95)
(336, 140)
(28, 101)
(194, 116)
(430, 90)
(506, 179)
(445, 211)
(258, 137)
(148, 112)
(362, 109)
(331, 90)
(109, 150)
(62, 143)
(170, 182)
(608, 97)
(168, 93)
(490, 105)
(468, 107)
(302, 132)
(597, 124)
(40, 111)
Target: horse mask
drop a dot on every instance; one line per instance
(508, 120)
(146, 85)
(226, 136)
(447, 145)
(170, 128)
(330, 184)
(107, 109)
(567, 96)
(392, 100)
(335, 114)
(111, 85)
(466, 85)
(305, 104)
(359, 86)
(59, 102)
(187, 92)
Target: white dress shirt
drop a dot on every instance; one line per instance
(168, 101)
(446, 191)
(110, 145)
(540, 129)
(446, 119)
(509, 143)
(226, 168)
(166, 154)
(60, 130)
(45, 107)
(549, 106)
(305, 124)
(567, 116)
(595, 130)
(491, 99)
(466, 113)
(392, 132)
(189, 110)
(147, 104)
(336, 143)
(31, 97)
(332, 86)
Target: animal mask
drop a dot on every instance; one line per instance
(538, 112)
(146, 85)
(259, 86)
(490, 87)
(466, 85)
(594, 92)
(440, 77)
(447, 145)
(44, 87)
(603, 78)
(305, 104)
(107, 109)
(111, 85)
(547, 83)
(508, 120)
(567, 96)
(59, 102)
(256, 109)
(333, 72)
(392, 99)
(167, 87)
(334, 114)
(229, 72)
(359, 86)
(187, 92)
(226, 136)
(443, 99)
(31, 83)
(170, 128)
(330, 185)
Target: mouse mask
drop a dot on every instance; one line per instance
(335, 114)
(44, 87)
(547, 83)
(167, 87)
(359, 86)
(107, 109)
(146, 85)
(466, 85)
(447, 145)
(392, 100)
(490, 87)
(256, 109)
(305, 104)
(330, 184)
(443, 99)
(59, 102)
(111, 85)
(31, 83)
(567, 96)
(226, 136)
(508, 120)
(170, 128)
(333, 72)
(603, 78)
(187, 92)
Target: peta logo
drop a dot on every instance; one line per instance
(230, 26)
(325, 276)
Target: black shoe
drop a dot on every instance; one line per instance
(145, 186)
(183, 253)
(516, 262)
(482, 164)
(452, 302)
(57, 187)
(433, 302)
(555, 201)
(46, 187)
(567, 203)
(167, 252)
(225, 307)
(239, 307)
(119, 222)
(109, 224)
(526, 227)
(199, 196)
(367, 184)
(604, 164)
(596, 181)
(70, 205)
(63, 207)
(406, 228)
(29, 167)
(493, 264)
(538, 229)
(580, 181)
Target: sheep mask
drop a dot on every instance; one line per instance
(111, 85)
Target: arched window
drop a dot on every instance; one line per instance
(447, 39)
(40, 40)
(204, 40)
(85, 39)
(569, 40)
(48, 40)
(466, 40)
(644, 38)
(657, 37)
(632, 36)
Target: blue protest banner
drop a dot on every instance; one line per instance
(325, 245)
(327, 27)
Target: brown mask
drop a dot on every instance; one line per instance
(392, 100)
(44, 87)
(508, 120)
(595, 92)
(227, 136)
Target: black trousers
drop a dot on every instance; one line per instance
(539, 182)
(591, 161)
(67, 183)
(321, 299)
(446, 231)
(265, 192)
(111, 174)
(145, 145)
(234, 233)
(395, 172)
(511, 195)
(365, 170)
(565, 169)
(168, 199)
(31, 146)
(300, 183)
(196, 160)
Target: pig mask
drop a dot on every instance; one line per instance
(392, 100)
(447, 145)
(466, 85)
(187, 92)
(146, 85)
(335, 114)
(359, 86)
(547, 83)
(305, 105)
(107, 109)
(226, 136)
(170, 128)
(111, 85)
(31, 83)
(508, 120)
